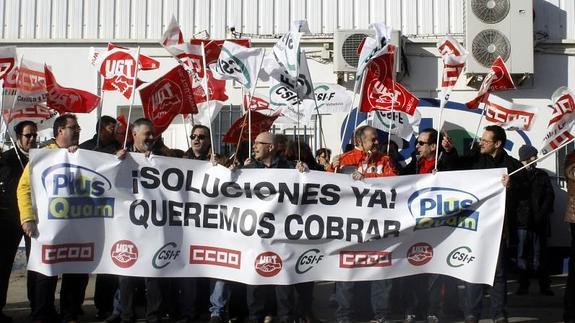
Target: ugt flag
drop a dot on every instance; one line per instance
(167, 97)
(560, 128)
(238, 63)
(371, 48)
(64, 99)
(453, 56)
(146, 63)
(498, 79)
(118, 68)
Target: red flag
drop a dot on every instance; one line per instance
(118, 67)
(65, 100)
(34, 112)
(498, 78)
(213, 47)
(508, 114)
(379, 94)
(173, 34)
(256, 103)
(260, 123)
(167, 97)
(146, 62)
(216, 88)
(7, 61)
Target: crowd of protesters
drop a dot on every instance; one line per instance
(430, 297)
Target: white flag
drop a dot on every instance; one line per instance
(397, 123)
(509, 115)
(173, 35)
(238, 63)
(373, 47)
(560, 128)
(286, 50)
(294, 97)
(7, 61)
(331, 98)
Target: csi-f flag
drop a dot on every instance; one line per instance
(287, 50)
(560, 128)
(397, 123)
(331, 98)
(238, 63)
(453, 56)
(167, 97)
(64, 99)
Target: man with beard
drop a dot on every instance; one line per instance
(66, 135)
(12, 164)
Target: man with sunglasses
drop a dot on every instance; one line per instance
(12, 164)
(364, 161)
(200, 143)
(425, 289)
(66, 135)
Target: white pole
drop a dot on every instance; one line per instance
(99, 111)
(133, 96)
(207, 92)
(442, 103)
(347, 120)
(13, 102)
(542, 157)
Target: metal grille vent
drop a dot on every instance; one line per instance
(490, 11)
(349, 48)
(489, 44)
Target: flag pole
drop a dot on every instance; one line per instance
(207, 92)
(99, 110)
(133, 96)
(186, 130)
(484, 101)
(13, 102)
(2, 116)
(252, 92)
(443, 102)
(347, 119)
(542, 157)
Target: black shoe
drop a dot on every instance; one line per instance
(500, 320)
(216, 319)
(471, 319)
(114, 318)
(5, 318)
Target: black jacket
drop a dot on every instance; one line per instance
(518, 192)
(10, 173)
(90, 144)
(535, 214)
(447, 161)
(278, 162)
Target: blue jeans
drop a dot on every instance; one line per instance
(474, 292)
(219, 297)
(345, 295)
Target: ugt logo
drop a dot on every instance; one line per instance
(76, 192)
(441, 206)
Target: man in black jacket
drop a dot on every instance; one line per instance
(12, 164)
(533, 225)
(491, 154)
(105, 138)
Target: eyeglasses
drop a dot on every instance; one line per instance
(74, 128)
(30, 135)
(421, 143)
(200, 137)
(485, 140)
(262, 143)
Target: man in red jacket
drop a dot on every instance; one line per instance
(365, 160)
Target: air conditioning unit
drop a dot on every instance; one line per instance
(345, 43)
(499, 28)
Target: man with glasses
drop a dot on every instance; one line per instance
(200, 143)
(491, 154)
(365, 160)
(425, 289)
(66, 135)
(12, 164)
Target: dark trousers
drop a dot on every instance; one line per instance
(498, 295)
(345, 295)
(10, 236)
(153, 298)
(104, 292)
(72, 292)
(285, 298)
(569, 301)
(422, 293)
(532, 258)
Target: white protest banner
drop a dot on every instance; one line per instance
(257, 226)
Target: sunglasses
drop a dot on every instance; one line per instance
(421, 143)
(200, 137)
(30, 135)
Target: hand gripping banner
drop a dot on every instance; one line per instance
(167, 217)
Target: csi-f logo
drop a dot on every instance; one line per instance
(460, 256)
(441, 206)
(165, 255)
(76, 192)
(308, 260)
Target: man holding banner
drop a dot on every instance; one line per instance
(491, 154)
(66, 134)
